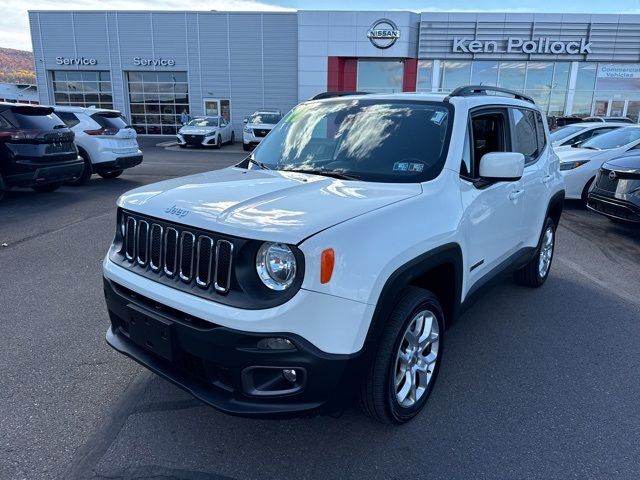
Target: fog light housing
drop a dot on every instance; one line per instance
(290, 374)
(275, 343)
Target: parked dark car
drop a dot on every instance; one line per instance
(616, 189)
(557, 122)
(36, 149)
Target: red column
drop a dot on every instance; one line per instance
(410, 75)
(341, 74)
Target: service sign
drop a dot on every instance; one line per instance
(153, 62)
(76, 61)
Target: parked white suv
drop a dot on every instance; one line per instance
(330, 262)
(257, 126)
(105, 141)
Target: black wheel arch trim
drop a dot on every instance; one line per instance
(449, 253)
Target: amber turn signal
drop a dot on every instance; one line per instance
(326, 265)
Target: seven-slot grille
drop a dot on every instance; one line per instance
(196, 258)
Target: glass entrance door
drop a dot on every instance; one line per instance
(600, 108)
(618, 108)
(214, 107)
(633, 110)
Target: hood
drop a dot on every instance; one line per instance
(193, 130)
(627, 164)
(569, 154)
(263, 204)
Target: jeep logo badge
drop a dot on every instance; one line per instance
(612, 175)
(383, 34)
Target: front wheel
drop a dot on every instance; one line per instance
(584, 197)
(246, 147)
(111, 173)
(219, 142)
(404, 371)
(51, 187)
(535, 273)
(233, 138)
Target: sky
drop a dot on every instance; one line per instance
(14, 23)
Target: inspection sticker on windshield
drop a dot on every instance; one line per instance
(438, 117)
(408, 167)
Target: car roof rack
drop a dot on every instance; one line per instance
(324, 95)
(470, 90)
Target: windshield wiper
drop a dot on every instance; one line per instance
(326, 173)
(258, 164)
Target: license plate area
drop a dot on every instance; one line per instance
(151, 332)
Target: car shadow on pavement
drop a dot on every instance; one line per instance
(526, 391)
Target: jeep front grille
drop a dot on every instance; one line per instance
(178, 252)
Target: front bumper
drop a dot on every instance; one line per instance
(42, 174)
(614, 207)
(223, 367)
(203, 140)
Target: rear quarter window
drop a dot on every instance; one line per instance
(110, 120)
(69, 118)
(32, 118)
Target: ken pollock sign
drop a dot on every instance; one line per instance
(542, 45)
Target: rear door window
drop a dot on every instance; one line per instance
(525, 135)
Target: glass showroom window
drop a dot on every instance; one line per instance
(157, 99)
(547, 83)
(380, 76)
(425, 72)
(82, 89)
(484, 73)
(608, 89)
(454, 74)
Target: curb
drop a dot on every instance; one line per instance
(170, 143)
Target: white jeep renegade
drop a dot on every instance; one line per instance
(329, 263)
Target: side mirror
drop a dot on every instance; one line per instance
(502, 166)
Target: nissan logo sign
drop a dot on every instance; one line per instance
(383, 34)
(612, 175)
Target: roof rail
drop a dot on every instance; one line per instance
(324, 95)
(470, 90)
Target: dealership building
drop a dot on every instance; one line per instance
(154, 65)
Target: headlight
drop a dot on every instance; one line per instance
(276, 265)
(572, 165)
(246, 130)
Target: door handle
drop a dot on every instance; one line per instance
(546, 179)
(516, 194)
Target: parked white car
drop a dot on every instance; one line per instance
(329, 263)
(206, 132)
(579, 165)
(581, 132)
(105, 141)
(258, 125)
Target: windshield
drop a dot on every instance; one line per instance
(372, 140)
(564, 132)
(616, 138)
(268, 118)
(204, 122)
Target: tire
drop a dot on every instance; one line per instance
(51, 187)
(84, 177)
(233, 138)
(384, 384)
(533, 274)
(110, 173)
(246, 147)
(585, 192)
(218, 142)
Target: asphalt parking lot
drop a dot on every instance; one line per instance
(535, 383)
